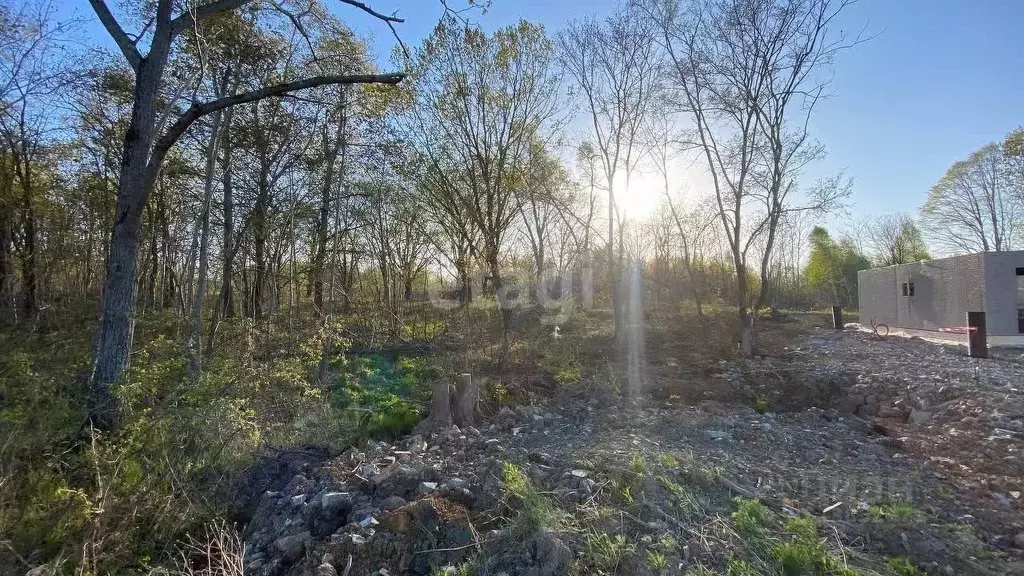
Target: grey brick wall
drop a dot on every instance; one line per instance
(1001, 291)
(944, 291)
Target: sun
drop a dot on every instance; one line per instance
(642, 197)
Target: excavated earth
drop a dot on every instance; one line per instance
(845, 423)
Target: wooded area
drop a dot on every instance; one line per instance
(243, 183)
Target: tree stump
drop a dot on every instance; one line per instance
(467, 393)
(441, 414)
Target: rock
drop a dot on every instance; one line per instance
(292, 547)
(326, 569)
(718, 435)
(1018, 540)
(392, 503)
(335, 504)
(455, 483)
(356, 539)
(415, 444)
(298, 500)
(367, 522)
(44, 570)
(425, 488)
(540, 458)
(461, 495)
(579, 473)
(401, 479)
(369, 471)
(919, 417)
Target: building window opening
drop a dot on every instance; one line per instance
(911, 288)
(904, 288)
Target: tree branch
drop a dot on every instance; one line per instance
(131, 53)
(190, 17)
(371, 11)
(197, 110)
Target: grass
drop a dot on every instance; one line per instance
(903, 566)
(535, 510)
(751, 517)
(899, 512)
(606, 552)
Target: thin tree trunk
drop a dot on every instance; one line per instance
(194, 341)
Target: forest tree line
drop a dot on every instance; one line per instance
(258, 162)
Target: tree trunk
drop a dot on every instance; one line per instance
(194, 341)
(467, 393)
(227, 294)
(136, 182)
(29, 303)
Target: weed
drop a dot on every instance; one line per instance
(751, 517)
(627, 495)
(762, 405)
(638, 465)
(657, 560)
(797, 557)
(605, 551)
(903, 566)
(700, 570)
(682, 498)
(897, 512)
(803, 527)
(535, 510)
(737, 567)
(668, 461)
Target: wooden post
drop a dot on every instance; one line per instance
(467, 393)
(977, 337)
(837, 317)
(442, 412)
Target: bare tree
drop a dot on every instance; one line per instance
(895, 239)
(975, 205)
(482, 103)
(32, 71)
(613, 64)
(747, 74)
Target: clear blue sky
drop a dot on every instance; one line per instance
(940, 79)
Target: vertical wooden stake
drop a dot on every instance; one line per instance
(977, 337)
(467, 392)
(442, 412)
(837, 317)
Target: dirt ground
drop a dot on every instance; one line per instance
(901, 447)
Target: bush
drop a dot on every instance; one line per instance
(386, 394)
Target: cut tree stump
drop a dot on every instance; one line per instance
(467, 393)
(441, 414)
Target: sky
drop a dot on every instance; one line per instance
(937, 80)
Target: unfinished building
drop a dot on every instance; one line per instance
(935, 295)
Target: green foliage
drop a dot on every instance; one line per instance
(656, 560)
(903, 566)
(762, 405)
(896, 512)
(751, 517)
(737, 567)
(832, 268)
(606, 552)
(386, 393)
(535, 510)
(561, 363)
